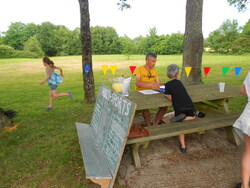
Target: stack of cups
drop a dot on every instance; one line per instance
(221, 86)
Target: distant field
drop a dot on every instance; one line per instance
(43, 150)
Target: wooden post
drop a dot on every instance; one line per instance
(232, 136)
(135, 154)
(145, 145)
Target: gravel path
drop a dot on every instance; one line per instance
(210, 161)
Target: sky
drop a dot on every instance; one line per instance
(167, 16)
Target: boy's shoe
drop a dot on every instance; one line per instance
(199, 114)
(70, 95)
(183, 150)
(178, 118)
(49, 108)
(238, 185)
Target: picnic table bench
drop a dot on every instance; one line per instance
(206, 98)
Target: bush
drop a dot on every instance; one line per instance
(33, 46)
(241, 46)
(6, 51)
(25, 54)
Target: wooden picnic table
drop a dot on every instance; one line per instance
(200, 95)
(206, 98)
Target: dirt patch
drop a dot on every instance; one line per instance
(210, 161)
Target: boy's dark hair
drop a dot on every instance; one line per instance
(150, 54)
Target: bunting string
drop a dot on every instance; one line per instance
(187, 70)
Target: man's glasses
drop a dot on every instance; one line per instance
(150, 75)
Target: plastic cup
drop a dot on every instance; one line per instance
(162, 89)
(221, 86)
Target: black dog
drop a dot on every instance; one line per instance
(5, 118)
(9, 113)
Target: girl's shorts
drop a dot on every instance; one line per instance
(52, 87)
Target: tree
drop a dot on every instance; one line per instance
(88, 84)
(246, 29)
(239, 4)
(174, 44)
(73, 44)
(221, 40)
(105, 40)
(128, 46)
(18, 33)
(242, 43)
(33, 45)
(193, 43)
(46, 35)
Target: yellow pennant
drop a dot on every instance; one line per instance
(188, 69)
(113, 69)
(104, 68)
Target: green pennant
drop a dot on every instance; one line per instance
(225, 70)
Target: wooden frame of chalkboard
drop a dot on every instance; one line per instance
(103, 141)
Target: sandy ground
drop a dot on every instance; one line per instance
(210, 161)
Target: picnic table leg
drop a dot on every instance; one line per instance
(135, 153)
(232, 136)
(145, 145)
(222, 105)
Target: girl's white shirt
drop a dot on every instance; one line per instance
(247, 85)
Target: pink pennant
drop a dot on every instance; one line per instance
(132, 69)
(206, 70)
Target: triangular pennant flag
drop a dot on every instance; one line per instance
(225, 70)
(113, 69)
(87, 69)
(104, 68)
(206, 70)
(237, 70)
(188, 69)
(132, 69)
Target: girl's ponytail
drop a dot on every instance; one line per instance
(48, 61)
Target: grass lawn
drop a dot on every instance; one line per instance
(43, 150)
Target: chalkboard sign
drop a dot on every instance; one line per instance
(111, 121)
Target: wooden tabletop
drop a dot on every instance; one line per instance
(198, 93)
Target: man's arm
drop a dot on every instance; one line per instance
(139, 83)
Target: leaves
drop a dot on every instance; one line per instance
(241, 5)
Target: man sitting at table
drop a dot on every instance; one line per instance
(147, 78)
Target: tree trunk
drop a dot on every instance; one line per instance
(193, 43)
(88, 78)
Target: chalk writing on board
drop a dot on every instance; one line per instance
(110, 121)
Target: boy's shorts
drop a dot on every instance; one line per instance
(52, 87)
(188, 111)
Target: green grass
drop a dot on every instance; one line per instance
(43, 150)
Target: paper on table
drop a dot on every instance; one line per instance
(149, 92)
